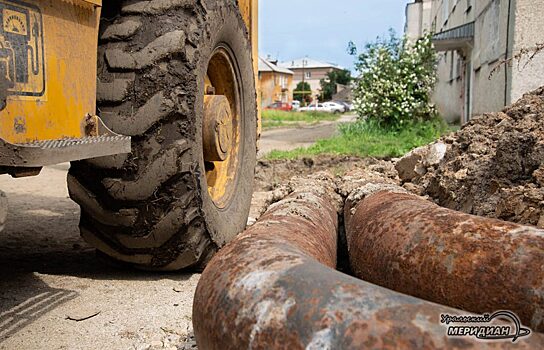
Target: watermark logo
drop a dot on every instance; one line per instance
(484, 327)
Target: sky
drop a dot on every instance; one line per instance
(322, 29)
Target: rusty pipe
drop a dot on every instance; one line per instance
(403, 242)
(274, 287)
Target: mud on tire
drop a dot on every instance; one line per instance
(151, 208)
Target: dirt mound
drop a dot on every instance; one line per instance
(270, 174)
(493, 166)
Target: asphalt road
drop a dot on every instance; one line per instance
(285, 139)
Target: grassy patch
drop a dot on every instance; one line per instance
(367, 140)
(271, 124)
(274, 119)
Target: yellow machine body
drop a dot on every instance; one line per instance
(49, 60)
(48, 72)
(250, 13)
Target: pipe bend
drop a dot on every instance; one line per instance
(274, 287)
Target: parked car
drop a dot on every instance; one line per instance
(347, 105)
(296, 105)
(320, 107)
(335, 107)
(280, 106)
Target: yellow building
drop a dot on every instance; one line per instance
(275, 83)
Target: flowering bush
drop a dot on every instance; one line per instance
(396, 79)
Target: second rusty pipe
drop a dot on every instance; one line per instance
(275, 287)
(411, 245)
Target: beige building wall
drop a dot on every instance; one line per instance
(490, 48)
(316, 74)
(450, 95)
(529, 23)
(414, 13)
(449, 91)
(502, 27)
(418, 19)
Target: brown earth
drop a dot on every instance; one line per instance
(493, 166)
(271, 174)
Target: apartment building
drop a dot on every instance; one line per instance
(310, 71)
(275, 83)
(473, 37)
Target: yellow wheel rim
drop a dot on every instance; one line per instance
(221, 126)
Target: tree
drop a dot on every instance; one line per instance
(328, 85)
(303, 93)
(396, 79)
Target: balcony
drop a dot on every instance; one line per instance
(457, 38)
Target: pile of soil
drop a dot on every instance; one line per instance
(493, 166)
(270, 174)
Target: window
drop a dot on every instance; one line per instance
(451, 65)
(469, 6)
(459, 68)
(490, 36)
(445, 10)
(308, 75)
(283, 81)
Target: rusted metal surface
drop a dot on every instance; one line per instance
(408, 244)
(274, 287)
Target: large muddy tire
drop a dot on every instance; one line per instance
(3, 210)
(162, 207)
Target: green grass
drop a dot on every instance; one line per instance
(274, 119)
(364, 139)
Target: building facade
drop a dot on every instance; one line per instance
(474, 39)
(418, 19)
(310, 71)
(275, 83)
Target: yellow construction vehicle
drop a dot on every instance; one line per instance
(153, 102)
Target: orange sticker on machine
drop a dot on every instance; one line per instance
(22, 63)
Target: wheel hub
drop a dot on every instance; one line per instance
(221, 126)
(217, 128)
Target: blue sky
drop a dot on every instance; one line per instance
(321, 29)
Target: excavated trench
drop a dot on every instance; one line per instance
(285, 282)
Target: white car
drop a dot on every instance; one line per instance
(335, 107)
(296, 105)
(320, 107)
